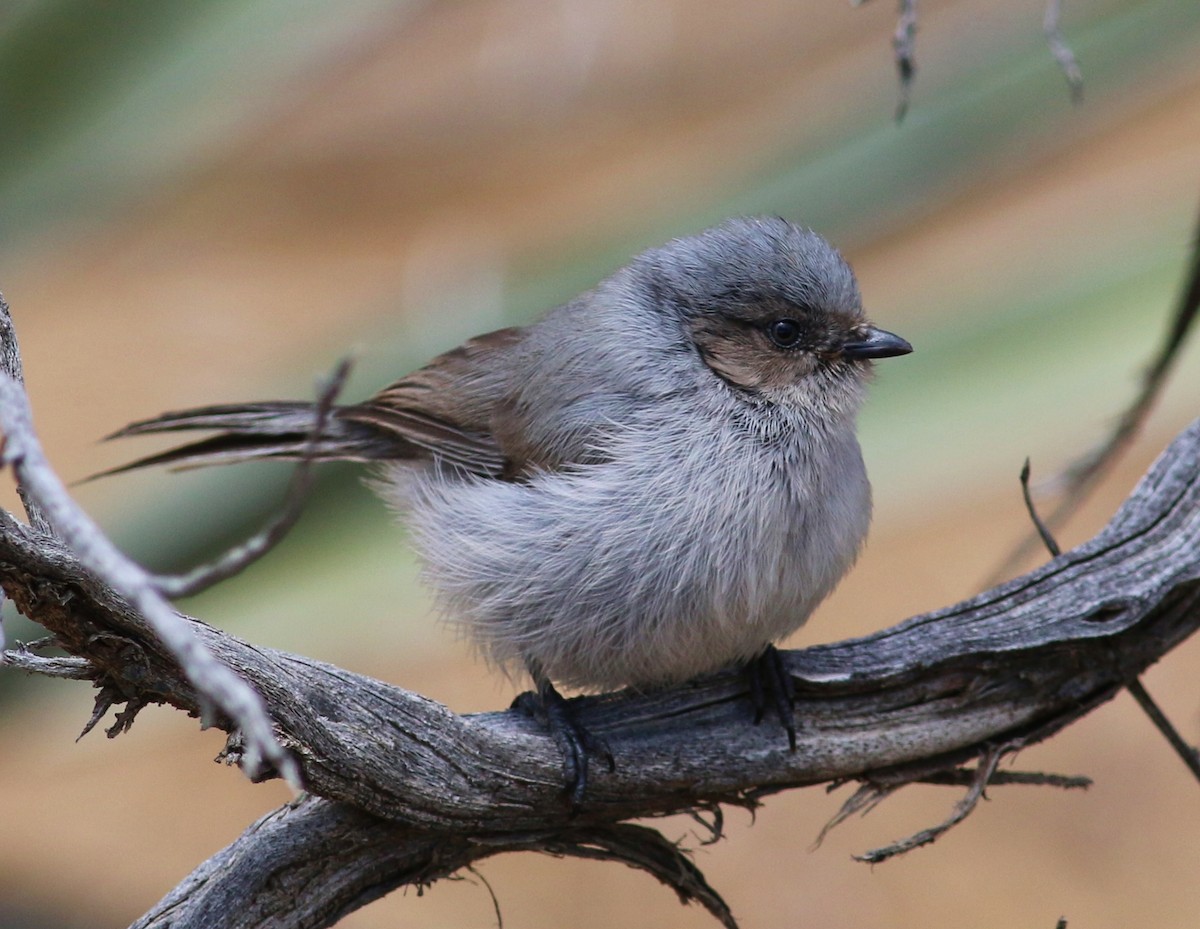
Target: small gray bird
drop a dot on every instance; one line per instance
(656, 480)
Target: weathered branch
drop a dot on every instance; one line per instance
(216, 685)
(411, 792)
(11, 364)
(290, 849)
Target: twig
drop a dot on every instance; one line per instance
(878, 788)
(10, 364)
(216, 682)
(961, 777)
(1078, 479)
(904, 44)
(491, 893)
(1188, 753)
(1042, 530)
(72, 669)
(715, 828)
(868, 796)
(904, 51)
(646, 850)
(242, 556)
(984, 770)
(1052, 27)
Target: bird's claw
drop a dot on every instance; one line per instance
(770, 681)
(574, 742)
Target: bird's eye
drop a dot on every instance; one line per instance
(784, 332)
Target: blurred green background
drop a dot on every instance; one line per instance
(213, 201)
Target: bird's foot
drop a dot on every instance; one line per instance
(576, 743)
(771, 683)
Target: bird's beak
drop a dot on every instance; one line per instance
(876, 343)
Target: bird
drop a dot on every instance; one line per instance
(656, 480)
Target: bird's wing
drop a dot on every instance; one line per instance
(441, 412)
(447, 409)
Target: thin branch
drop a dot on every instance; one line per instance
(1052, 27)
(904, 46)
(868, 796)
(904, 43)
(10, 364)
(959, 777)
(1187, 752)
(982, 776)
(1079, 478)
(242, 556)
(879, 786)
(471, 869)
(1043, 530)
(71, 669)
(215, 681)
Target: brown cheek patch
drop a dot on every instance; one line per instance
(743, 356)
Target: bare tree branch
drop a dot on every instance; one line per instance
(212, 679)
(904, 50)
(1188, 753)
(22, 658)
(1079, 478)
(10, 364)
(291, 847)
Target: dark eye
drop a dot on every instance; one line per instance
(784, 332)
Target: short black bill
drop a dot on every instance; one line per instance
(876, 343)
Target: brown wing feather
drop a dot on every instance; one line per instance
(447, 408)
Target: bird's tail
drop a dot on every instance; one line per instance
(273, 429)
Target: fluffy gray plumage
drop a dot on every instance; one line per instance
(656, 480)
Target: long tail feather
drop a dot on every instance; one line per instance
(267, 418)
(259, 430)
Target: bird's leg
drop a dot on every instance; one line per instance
(576, 743)
(769, 680)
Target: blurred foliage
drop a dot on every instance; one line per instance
(103, 102)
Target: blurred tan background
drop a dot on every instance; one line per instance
(213, 201)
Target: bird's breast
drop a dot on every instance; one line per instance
(686, 550)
